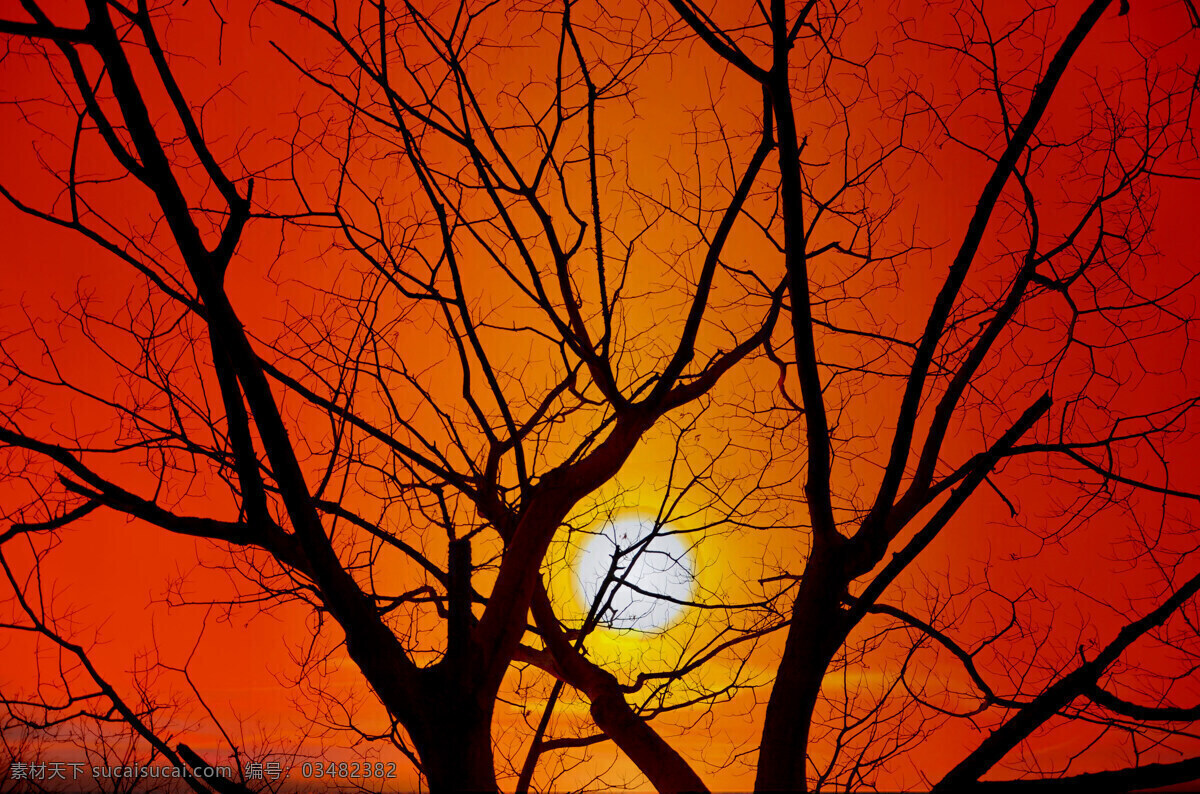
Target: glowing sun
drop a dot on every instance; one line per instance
(642, 577)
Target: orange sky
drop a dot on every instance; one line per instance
(117, 579)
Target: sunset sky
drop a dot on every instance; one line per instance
(724, 472)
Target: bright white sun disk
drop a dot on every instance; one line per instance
(657, 566)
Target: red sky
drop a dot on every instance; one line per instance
(116, 580)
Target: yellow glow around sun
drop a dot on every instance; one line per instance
(702, 557)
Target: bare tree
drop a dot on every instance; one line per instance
(488, 305)
(1048, 263)
(472, 368)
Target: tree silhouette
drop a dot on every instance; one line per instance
(1080, 251)
(390, 361)
(492, 457)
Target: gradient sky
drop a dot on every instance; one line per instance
(113, 582)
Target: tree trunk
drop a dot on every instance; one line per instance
(455, 748)
(665, 768)
(816, 633)
(657, 760)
